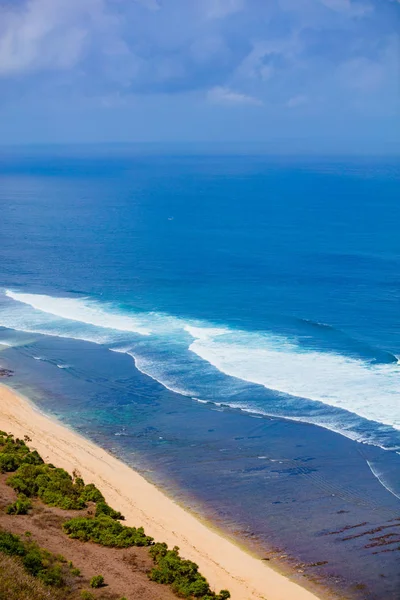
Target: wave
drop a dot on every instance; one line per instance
(82, 310)
(264, 372)
(369, 390)
(380, 477)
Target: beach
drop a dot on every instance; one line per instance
(222, 562)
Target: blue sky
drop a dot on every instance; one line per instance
(293, 75)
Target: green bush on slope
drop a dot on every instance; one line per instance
(54, 487)
(106, 531)
(33, 478)
(37, 562)
(14, 453)
(183, 575)
(20, 507)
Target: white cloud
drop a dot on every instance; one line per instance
(297, 101)
(224, 95)
(51, 34)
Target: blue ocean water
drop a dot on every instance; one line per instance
(271, 285)
(229, 326)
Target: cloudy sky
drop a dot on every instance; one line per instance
(295, 75)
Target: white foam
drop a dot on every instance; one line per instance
(368, 390)
(82, 310)
(371, 391)
(379, 475)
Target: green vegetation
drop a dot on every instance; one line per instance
(54, 487)
(37, 562)
(32, 478)
(14, 453)
(97, 581)
(102, 508)
(182, 575)
(106, 531)
(20, 507)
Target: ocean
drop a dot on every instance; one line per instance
(227, 324)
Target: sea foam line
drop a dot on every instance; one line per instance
(83, 310)
(370, 391)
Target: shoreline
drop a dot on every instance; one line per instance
(223, 563)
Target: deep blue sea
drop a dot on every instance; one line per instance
(269, 285)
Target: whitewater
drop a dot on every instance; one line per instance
(358, 398)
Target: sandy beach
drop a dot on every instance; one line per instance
(221, 561)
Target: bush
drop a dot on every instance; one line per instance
(11, 544)
(97, 581)
(55, 487)
(14, 453)
(106, 531)
(75, 572)
(20, 507)
(90, 493)
(102, 508)
(183, 575)
(52, 576)
(37, 562)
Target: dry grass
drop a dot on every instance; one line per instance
(16, 584)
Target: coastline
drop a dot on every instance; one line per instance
(225, 564)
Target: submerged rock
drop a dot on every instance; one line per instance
(5, 372)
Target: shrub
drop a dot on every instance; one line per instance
(97, 581)
(14, 453)
(20, 507)
(55, 487)
(102, 508)
(90, 493)
(11, 544)
(183, 575)
(75, 572)
(106, 531)
(52, 576)
(36, 561)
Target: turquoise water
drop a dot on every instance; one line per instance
(240, 287)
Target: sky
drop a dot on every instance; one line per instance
(289, 75)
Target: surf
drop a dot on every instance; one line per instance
(258, 372)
